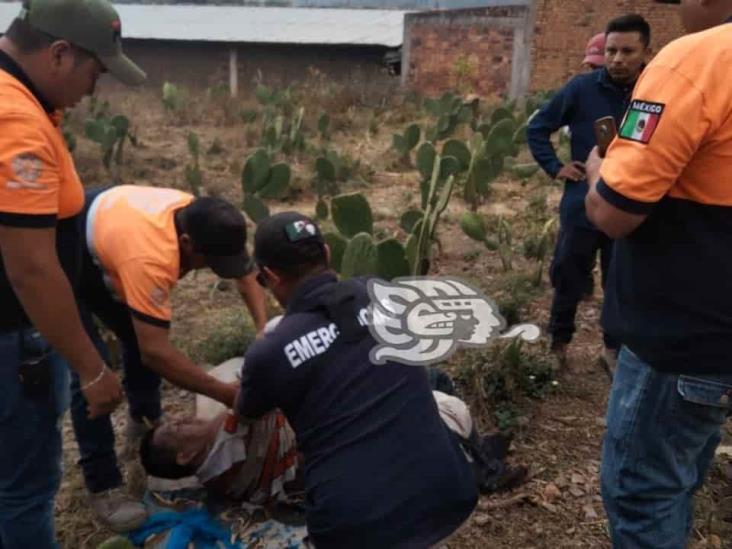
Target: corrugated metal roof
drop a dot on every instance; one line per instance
(246, 24)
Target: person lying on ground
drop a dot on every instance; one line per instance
(251, 461)
(216, 450)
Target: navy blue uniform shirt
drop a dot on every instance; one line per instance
(381, 469)
(583, 100)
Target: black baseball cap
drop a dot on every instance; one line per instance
(668, 1)
(219, 233)
(286, 240)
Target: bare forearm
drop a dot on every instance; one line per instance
(179, 370)
(46, 295)
(591, 202)
(254, 298)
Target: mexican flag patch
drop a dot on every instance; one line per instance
(641, 121)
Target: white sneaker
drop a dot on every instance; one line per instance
(117, 510)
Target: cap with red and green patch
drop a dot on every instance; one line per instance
(93, 25)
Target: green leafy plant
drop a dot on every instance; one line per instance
(537, 246)
(502, 379)
(261, 180)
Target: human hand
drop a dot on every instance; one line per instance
(103, 394)
(574, 171)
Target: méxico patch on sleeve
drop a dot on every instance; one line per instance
(641, 121)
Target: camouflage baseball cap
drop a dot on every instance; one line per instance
(93, 25)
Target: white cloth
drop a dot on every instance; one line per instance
(455, 413)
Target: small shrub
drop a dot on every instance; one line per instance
(517, 292)
(499, 380)
(229, 336)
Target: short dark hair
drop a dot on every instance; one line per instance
(27, 38)
(160, 461)
(631, 22)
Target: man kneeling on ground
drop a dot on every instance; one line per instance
(380, 467)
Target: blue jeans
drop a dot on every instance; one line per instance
(574, 259)
(662, 431)
(30, 459)
(142, 386)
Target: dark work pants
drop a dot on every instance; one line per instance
(142, 385)
(574, 260)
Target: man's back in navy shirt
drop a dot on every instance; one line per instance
(381, 468)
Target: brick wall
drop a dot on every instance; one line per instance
(466, 50)
(563, 28)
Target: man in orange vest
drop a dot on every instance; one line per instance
(139, 241)
(663, 193)
(50, 57)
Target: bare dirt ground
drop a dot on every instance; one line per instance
(558, 437)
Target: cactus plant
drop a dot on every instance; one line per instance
(435, 199)
(194, 178)
(450, 112)
(473, 226)
(174, 97)
(255, 209)
(409, 219)
(354, 250)
(360, 256)
(406, 142)
(321, 209)
(501, 113)
(525, 171)
(261, 178)
(499, 137)
(110, 134)
(324, 126)
(330, 170)
(352, 214)
(337, 245)
(458, 150)
(324, 180)
(391, 259)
